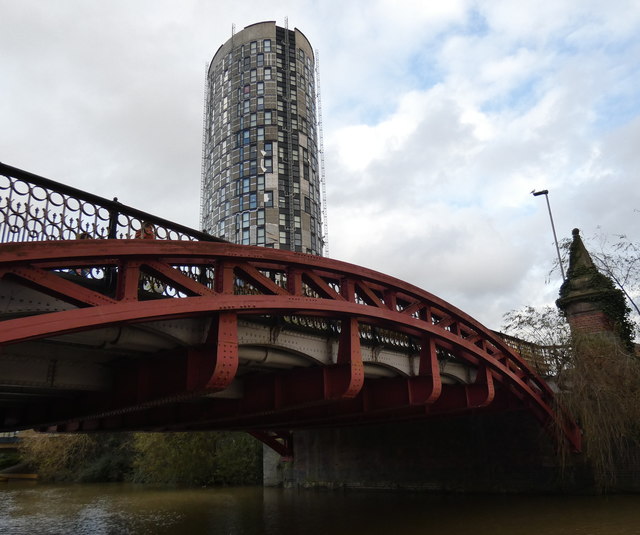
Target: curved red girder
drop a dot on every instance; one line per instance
(307, 285)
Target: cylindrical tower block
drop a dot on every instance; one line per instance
(261, 182)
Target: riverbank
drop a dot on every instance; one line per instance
(195, 458)
(19, 471)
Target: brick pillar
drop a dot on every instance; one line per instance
(587, 295)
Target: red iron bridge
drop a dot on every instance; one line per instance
(103, 331)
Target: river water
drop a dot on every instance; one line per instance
(36, 508)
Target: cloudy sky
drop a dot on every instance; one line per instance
(440, 117)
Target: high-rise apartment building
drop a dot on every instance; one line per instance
(260, 176)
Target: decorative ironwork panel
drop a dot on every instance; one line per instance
(34, 208)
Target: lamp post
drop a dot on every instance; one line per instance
(545, 192)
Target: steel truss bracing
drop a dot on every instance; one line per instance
(105, 283)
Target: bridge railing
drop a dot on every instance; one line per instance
(34, 208)
(544, 359)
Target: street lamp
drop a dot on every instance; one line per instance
(545, 192)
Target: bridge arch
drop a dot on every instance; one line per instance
(110, 283)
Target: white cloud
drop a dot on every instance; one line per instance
(439, 119)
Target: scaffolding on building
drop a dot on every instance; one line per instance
(203, 170)
(323, 187)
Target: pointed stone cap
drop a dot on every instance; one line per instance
(584, 282)
(581, 265)
(590, 301)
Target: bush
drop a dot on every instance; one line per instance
(197, 458)
(8, 459)
(77, 457)
(194, 458)
(602, 391)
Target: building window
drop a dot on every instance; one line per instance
(247, 62)
(267, 117)
(260, 88)
(266, 45)
(260, 105)
(260, 235)
(246, 220)
(245, 237)
(253, 119)
(245, 106)
(260, 182)
(268, 165)
(260, 60)
(260, 133)
(253, 77)
(267, 73)
(268, 148)
(246, 183)
(268, 199)
(253, 47)
(246, 91)
(260, 217)
(245, 137)
(253, 201)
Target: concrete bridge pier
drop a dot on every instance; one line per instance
(489, 452)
